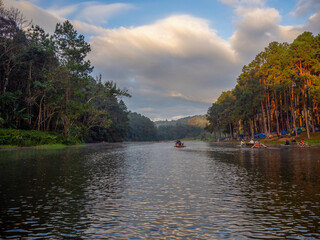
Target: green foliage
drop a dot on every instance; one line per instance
(28, 137)
(179, 132)
(141, 128)
(279, 89)
(45, 85)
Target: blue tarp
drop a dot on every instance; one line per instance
(259, 135)
(285, 132)
(299, 130)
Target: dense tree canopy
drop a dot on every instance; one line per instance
(279, 90)
(46, 85)
(141, 128)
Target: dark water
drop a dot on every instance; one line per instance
(155, 191)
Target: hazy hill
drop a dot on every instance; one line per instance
(199, 121)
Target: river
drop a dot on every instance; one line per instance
(156, 191)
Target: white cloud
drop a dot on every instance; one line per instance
(98, 14)
(91, 12)
(256, 28)
(177, 65)
(149, 110)
(47, 19)
(87, 28)
(305, 7)
(177, 55)
(65, 11)
(37, 15)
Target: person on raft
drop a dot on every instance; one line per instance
(302, 143)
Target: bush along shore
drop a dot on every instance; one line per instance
(46, 84)
(277, 94)
(313, 141)
(25, 138)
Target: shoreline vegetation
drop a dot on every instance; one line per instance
(48, 96)
(314, 141)
(277, 94)
(46, 87)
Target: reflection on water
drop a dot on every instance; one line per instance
(152, 190)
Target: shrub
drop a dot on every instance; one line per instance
(28, 137)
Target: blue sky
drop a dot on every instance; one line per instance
(147, 11)
(175, 56)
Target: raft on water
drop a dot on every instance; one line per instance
(296, 145)
(253, 145)
(180, 146)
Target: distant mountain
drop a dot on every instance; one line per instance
(199, 120)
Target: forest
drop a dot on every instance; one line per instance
(46, 85)
(191, 127)
(48, 95)
(143, 129)
(278, 91)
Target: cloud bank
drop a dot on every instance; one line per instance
(305, 7)
(176, 66)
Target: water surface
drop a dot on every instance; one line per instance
(155, 191)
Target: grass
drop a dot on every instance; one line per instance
(45, 146)
(314, 139)
(51, 146)
(8, 146)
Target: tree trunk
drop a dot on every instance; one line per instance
(252, 128)
(281, 115)
(40, 113)
(293, 113)
(306, 119)
(66, 113)
(264, 121)
(231, 131)
(287, 112)
(312, 117)
(268, 113)
(29, 92)
(276, 113)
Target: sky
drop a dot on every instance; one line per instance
(175, 57)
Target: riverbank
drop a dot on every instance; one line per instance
(27, 138)
(314, 139)
(46, 146)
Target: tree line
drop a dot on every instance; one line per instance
(143, 129)
(45, 84)
(279, 90)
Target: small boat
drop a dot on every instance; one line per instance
(290, 145)
(181, 146)
(259, 146)
(246, 145)
(296, 145)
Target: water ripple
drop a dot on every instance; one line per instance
(154, 191)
